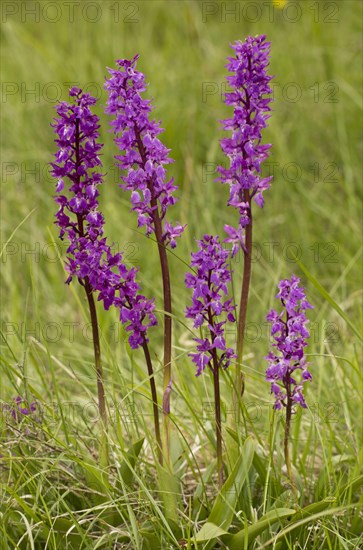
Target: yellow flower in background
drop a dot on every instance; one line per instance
(279, 3)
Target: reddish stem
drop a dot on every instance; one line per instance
(157, 222)
(242, 315)
(155, 400)
(91, 304)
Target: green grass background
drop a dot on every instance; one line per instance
(182, 49)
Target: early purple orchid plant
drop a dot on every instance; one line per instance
(89, 257)
(211, 309)
(250, 99)
(290, 336)
(143, 159)
(78, 218)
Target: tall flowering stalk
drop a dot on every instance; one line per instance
(250, 85)
(78, 217)
(211, 309)
(290, 336)
(89, 257)
(143, 157)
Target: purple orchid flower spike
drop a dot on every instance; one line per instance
(290, 334)
(89, 256)
(143, 160)
(250, 99)
(144, 156)
(211, 308)
(250, 85)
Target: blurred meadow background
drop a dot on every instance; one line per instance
(312, 211)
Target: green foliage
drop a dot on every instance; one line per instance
(246, 536)
(224, 507)
(53, 493)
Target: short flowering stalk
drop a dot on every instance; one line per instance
(249, 83)
(143, 158)
(212, 310)
(89, 257)
(290, 336)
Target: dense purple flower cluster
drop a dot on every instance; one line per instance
(289, 333)
(89, 256)
(209, 284)
(78, 217)
(250, 83)
(143, 154)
